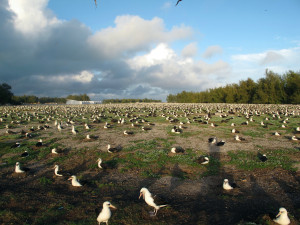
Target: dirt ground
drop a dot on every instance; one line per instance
(40, 197)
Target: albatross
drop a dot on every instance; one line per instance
(56, 168)
(105, 214)
(149, 199)
(18, 168)
(282, 217)
(177, 149)
(227, 186)
(99, 163)
(75, 182)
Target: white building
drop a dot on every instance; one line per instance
(75, 102)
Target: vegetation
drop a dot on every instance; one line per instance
(31, 99)
(106, 101)
(273, 89)
(5, 94)
(81, 97)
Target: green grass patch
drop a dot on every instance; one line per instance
(276, 159)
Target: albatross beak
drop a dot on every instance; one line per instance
(141, 194)
(111, 206)
(70, 178)
(278, 214)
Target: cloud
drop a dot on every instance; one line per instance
(132, 34)
(276, 60)
(190, 50)
(212, 51)
(45, 56)
(167, 5)
(31, 18)
(164, 69)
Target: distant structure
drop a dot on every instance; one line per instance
(75, 102)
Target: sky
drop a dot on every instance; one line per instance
(143, 48)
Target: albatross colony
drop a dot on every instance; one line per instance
(181, 152)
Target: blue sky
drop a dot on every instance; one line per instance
(140, 48)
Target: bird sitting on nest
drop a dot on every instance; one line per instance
(39, 143)
(105, 214)
(234, 131)
(277, 134)
(56, 151)
(294, 138)
(262, 157)
(56, 168)
(220, 143)
(238, 138)
(107, 125)
(74, 131)
(228, 186)
(28, 135)
(212, 140)
(177, 149)
(176, 130)
(16, 145)
(24, 154)
(297, 130)
(75, 182)
(282, 217)
(112, 150)
(128, 132)
(146, 128)
(149, 200)
(99, 163)
(18, 168)
(202, 160)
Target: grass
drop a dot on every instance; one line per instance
(280, 158)
(45, 181)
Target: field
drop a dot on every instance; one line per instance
(193, 192)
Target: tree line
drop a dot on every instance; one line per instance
(128, 100)
(7, 97)
(272, 89)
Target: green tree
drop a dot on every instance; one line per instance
(292, 87)
(5, 94)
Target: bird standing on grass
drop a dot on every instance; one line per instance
(149, 199)
(105, 214)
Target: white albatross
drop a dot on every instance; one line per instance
(56, 168)
(18, 168)
(105, 214)
(99, 163)
(227, 186)
(282, 217)
(75, 182)
(54, 151)
(149, 199)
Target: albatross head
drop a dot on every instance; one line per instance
(108, 204)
